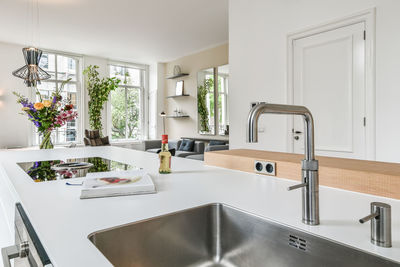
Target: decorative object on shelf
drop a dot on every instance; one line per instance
(163, 115)
(177, 73)
(31, 73)
(98, 91)
(177, 70)
(202, 109)
(179, 88)
(48, 114)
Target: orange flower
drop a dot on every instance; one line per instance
(47, 103)
(38, 106)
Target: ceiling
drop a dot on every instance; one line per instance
(143, 31)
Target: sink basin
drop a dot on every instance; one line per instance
(220, 235)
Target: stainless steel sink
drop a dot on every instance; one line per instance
(219, 235)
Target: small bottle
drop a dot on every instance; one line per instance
(165, 156)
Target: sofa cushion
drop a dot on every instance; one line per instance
(216, 143)
(196, 157)
(186, 145)
(184, 154)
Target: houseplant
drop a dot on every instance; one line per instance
(202, 91)
(98, 91)
(48, 114)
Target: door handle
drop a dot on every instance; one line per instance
(297, 132)
(12, 252)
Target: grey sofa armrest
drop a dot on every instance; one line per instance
(216, 148)
(151, 144)
(199, 147)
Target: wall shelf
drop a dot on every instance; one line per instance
(178, 76)
(177, 117)
(175, 96)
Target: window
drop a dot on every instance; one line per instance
(127, 103)
(62, 67)
(223, 104)
(210, 102)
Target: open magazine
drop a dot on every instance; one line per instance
(117, 183)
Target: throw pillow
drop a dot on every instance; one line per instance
(217, 143)
(186, 145)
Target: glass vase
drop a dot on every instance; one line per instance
(46, 141)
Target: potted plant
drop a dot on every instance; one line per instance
(202, 92)
(98, 91)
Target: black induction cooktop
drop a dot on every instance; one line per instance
(41, 171)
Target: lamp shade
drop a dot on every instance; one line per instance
(31, 73)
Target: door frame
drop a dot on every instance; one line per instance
(368, 18)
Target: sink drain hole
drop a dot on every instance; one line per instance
(297, 242)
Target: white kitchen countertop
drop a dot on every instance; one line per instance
(63, 221)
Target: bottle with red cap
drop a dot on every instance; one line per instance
(165, 156)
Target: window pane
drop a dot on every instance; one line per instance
(48, 64)
(46, 89)
(69, 92)
(66, 68)
(128, 76)
(132, 77)
(117, 71)
(133, 113)
(118, 114)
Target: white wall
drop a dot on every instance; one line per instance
(16, 130)
(257, 55)
(187, 127)
(14, 127)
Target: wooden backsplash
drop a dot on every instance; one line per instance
(370, 177)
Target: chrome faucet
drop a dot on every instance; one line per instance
(309, 166)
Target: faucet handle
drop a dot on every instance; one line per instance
(290, 188)
(381, 228)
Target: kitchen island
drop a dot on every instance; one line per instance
(63, 221)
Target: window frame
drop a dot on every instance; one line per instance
(79, 101)
(143, 109)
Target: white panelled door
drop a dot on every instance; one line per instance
(329, 79)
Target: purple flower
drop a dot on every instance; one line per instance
(26, 104)
(37, 124)
(54, 99)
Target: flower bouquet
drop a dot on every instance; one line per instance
(48, 114)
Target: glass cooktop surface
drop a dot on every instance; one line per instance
(41, 171)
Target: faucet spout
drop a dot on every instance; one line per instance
(262, 108)
(310, 184)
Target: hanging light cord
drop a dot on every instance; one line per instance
(37, 25)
